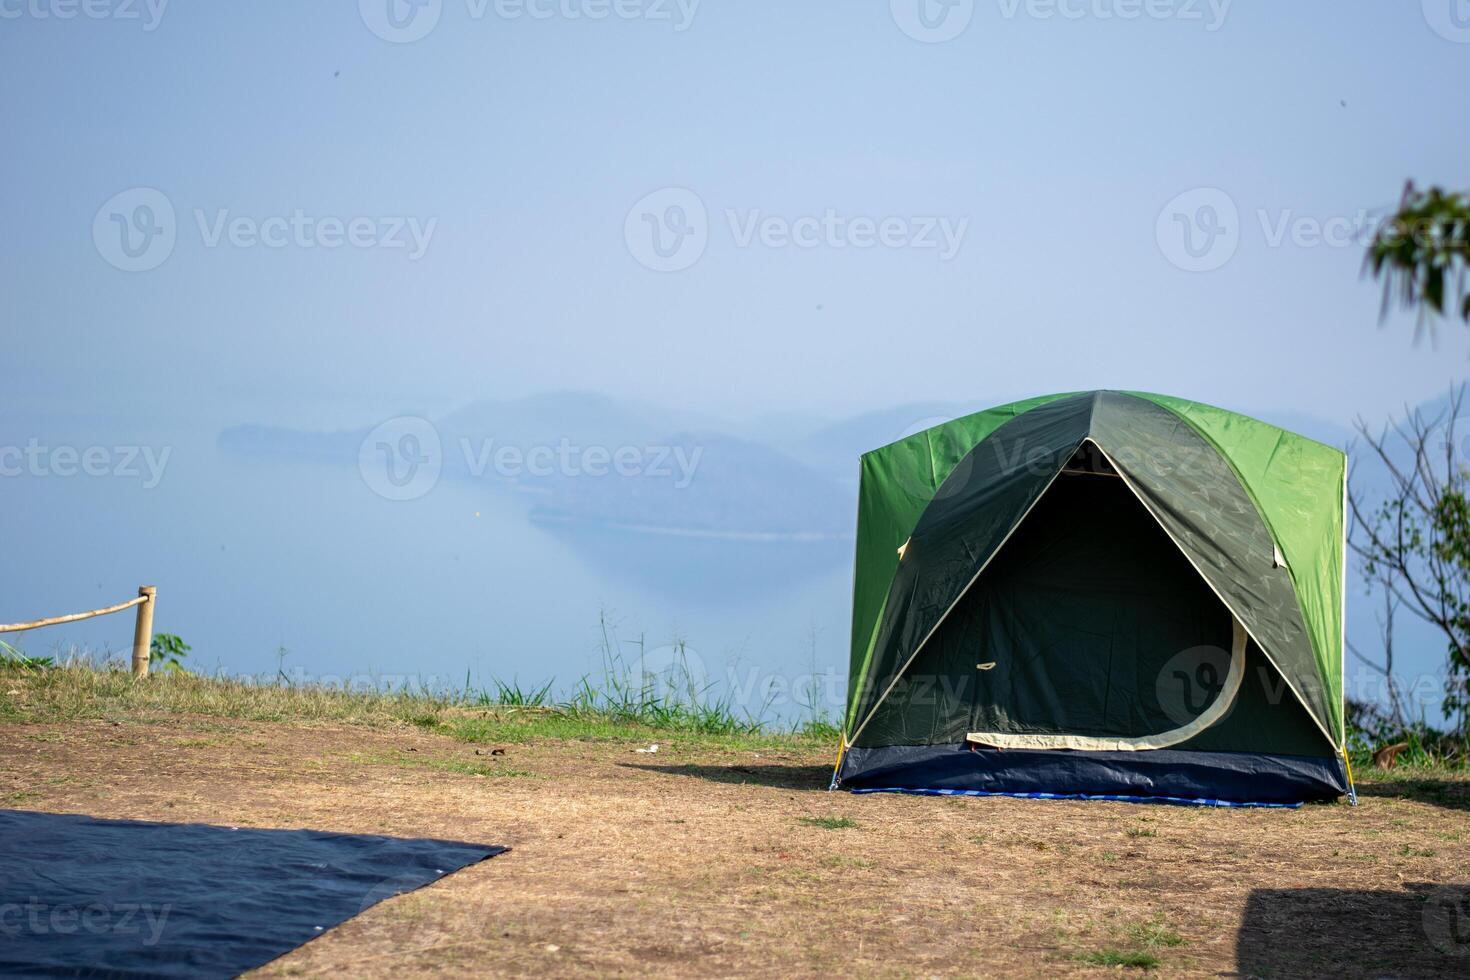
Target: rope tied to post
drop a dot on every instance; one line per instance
(142, 632)
(72, 618)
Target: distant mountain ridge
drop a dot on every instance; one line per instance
(594, 461)
(686, 473)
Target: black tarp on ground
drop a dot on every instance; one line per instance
(122, 898)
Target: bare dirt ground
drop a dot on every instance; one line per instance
(698, 861)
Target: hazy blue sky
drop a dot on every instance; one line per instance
(1052, 136)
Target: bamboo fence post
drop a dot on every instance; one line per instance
(143, 631)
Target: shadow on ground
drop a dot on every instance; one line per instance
(1422, 931)
(778, 776)
(1453, 794)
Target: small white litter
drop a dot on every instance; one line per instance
(651, 748)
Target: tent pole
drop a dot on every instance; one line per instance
(1352, 789)
(841, 751)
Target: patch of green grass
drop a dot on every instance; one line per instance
(1154, 934)
(843, 861)
(1119, 957)
(1141, 832)
(84, 690)
(671, 696)
(512, 694)
(1410, 851)
(19, 797)
(820, 729)
(16, 659)
(1429, 752)
(1143, 940)
(830, 823)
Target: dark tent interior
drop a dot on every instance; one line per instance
(1090, 621)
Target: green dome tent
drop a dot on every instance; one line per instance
(1107, 594)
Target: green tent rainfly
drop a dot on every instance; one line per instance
(1100, 594)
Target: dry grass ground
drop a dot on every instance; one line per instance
(731, 858)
